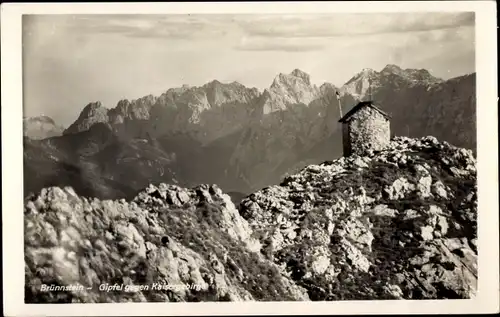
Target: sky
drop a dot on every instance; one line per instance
(72, 60)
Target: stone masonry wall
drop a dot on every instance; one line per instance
(345, 139)
(368, 129)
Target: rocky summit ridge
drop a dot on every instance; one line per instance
(395, 224)
(368, 80)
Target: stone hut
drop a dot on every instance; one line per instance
(365, 127)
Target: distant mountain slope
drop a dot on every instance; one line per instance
(96, 163)
(41, 127)
(446, 110)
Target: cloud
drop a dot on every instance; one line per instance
(134, 26)
(464, 34)
(279, 44)
(278, 47)
(342, 24)
(190, 27)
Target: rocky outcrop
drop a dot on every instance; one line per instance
(41, 127)
(169, 244)
(93, 113)
(396, 224)
(392, 77)
(210, 112)
(288, 90)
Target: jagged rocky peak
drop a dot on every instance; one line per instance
(423, 75)
(177, 90)
(211, 94)
(366, 72)
(219, 93)
(93, 113)
(391, 68)
(363, 75)
(410, 74)
(123, 105)
(289, 89)
(298, 73)
(328, 88)
(213, 83)
(146, 102)
(219, 87)
(360, 83)
(237, 84)
(92, 107)
(296, 77)
(216, 84)
(137, 109)
(391, 77)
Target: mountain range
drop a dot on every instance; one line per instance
(234, 136)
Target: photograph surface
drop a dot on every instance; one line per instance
(249, 157)
(294, 157)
